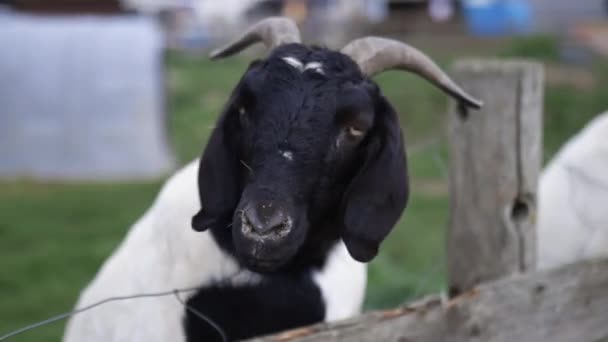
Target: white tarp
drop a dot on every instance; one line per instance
(207, 10)
(82, 98)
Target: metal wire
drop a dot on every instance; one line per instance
(433, 148)
(421, 147)
(201, 316)
(65, 315)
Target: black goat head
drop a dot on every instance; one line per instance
(308, 150)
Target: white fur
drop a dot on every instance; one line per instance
(161, 252)
(314, 66)
(342, 300)
(287, 155)
(297, 64)
(573, 199)
(294, 62)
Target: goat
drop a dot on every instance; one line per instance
(303, 177)
(573, 198)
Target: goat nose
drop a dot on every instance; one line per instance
(265, 217)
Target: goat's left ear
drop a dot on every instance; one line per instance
(379, 192)
(217, 178)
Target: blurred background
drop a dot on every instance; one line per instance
(100, 100)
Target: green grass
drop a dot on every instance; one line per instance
(568, 109)
(53, 237)
(544, 48)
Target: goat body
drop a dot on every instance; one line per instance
(302, 179)
(573, 199)
(161, 252)
(261, 270)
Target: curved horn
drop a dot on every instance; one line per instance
(272, 32)
(375, 55)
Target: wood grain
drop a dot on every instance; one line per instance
(564, 305)
(495, 159)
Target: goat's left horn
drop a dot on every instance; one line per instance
(272, 32)
(375, 55)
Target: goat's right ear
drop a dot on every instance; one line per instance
(379, 192)
(217, 177)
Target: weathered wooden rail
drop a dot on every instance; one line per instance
(495, 295)
(568, 304)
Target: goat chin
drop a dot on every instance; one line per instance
(161, 252)
(573, 192)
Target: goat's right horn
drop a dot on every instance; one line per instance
(375, 55)
(273, 31)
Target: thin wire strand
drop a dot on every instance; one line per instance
(247, 166)
(433, 147)
(431, 143)
(424, 145)
(425, 280)
(114, 299)
(195, 312)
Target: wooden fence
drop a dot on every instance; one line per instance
(494, 292)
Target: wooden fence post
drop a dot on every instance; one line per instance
(495, 159)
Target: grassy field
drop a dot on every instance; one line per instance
(53, 237)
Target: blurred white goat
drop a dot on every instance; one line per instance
(573, 199)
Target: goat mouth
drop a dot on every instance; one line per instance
(263, 265)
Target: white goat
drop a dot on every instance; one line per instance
(161, 252)
(573, 199)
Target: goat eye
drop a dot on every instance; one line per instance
(350, 136)
(354, 132)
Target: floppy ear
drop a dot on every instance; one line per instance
(379, 192)
(217, 177)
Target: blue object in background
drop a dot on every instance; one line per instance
(497, 17)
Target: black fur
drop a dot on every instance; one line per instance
(337, 185)
(278, 303)
(379, 190)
